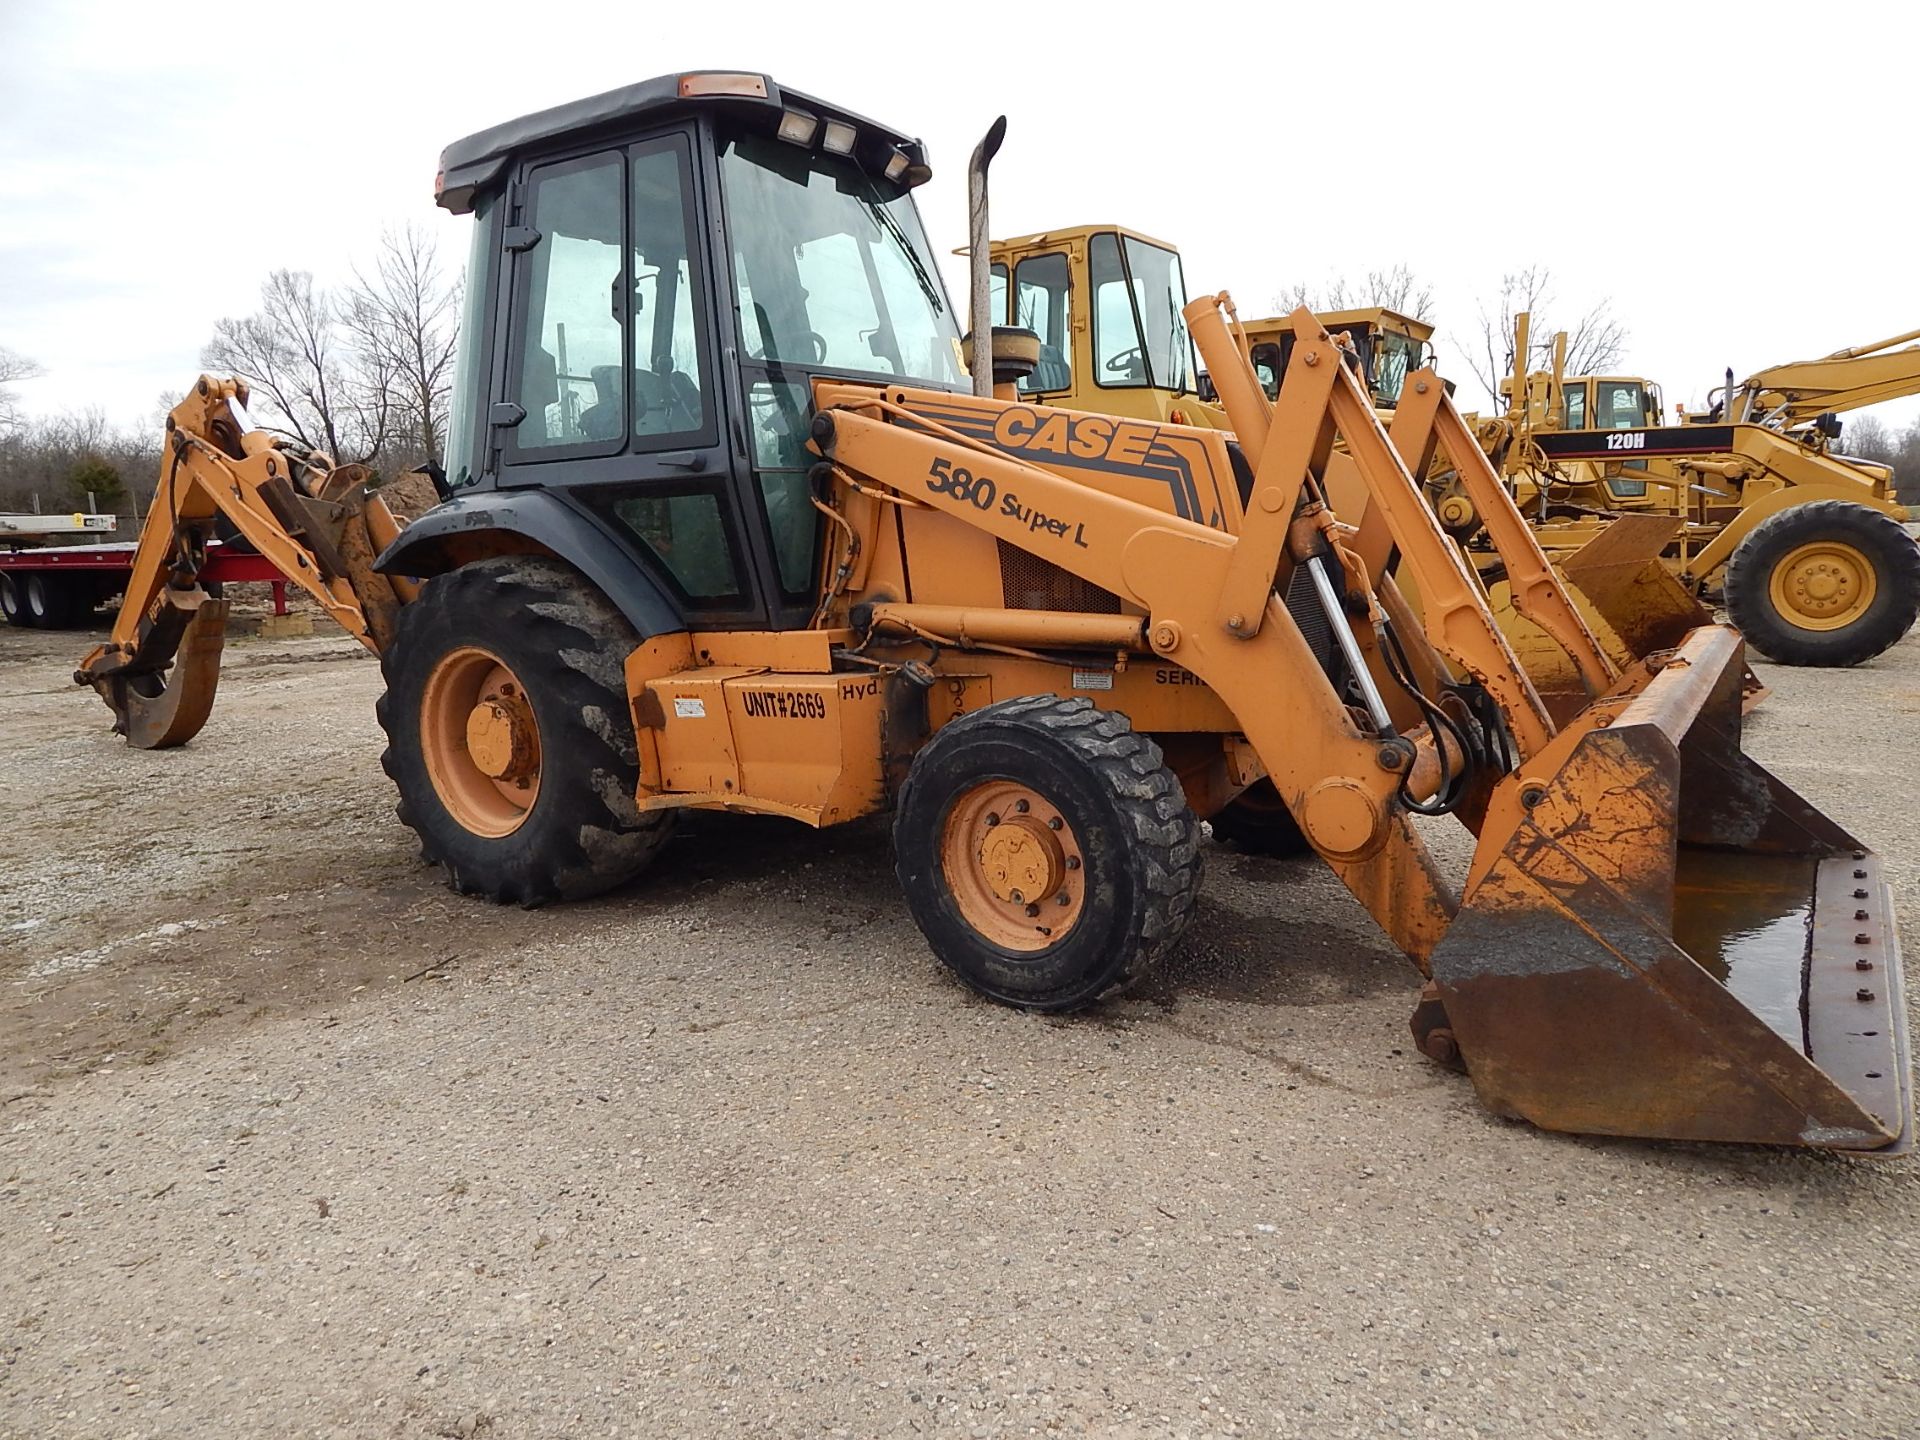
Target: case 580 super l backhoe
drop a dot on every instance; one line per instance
(728, 530)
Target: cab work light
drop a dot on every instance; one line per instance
(896, 166)
(839, 137)
(797, 127)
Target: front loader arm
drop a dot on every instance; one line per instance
(315, 521)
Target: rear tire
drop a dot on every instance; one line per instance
(1828, 583)
(1258, 822)
(562, 645)
(977, 820)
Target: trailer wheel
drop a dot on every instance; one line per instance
(1257, 821)
(54, 602)
(509, 733)
(13, 600)
(1046, 851)
(1828, 583)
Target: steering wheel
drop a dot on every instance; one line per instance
(814, 337)
(1132, 361)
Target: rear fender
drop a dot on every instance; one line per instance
(517, 522)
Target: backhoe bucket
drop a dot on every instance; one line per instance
(1660, 939)
(156, 704)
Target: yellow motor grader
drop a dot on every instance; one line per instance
(729, 527)
(1751, 500)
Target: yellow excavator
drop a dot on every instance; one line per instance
(1751, 500)
(730, 528)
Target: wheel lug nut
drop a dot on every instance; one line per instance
(1073, 862)
(1017, 898)
(1055, 823)
(1062, 899)
(1021, 807)
(1863, 938)
(1859, 914)
(992, 819)
(1863, 964)
(1863, 994)
(1859, 894)
(1033, 910)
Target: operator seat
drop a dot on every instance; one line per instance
(1050, 371)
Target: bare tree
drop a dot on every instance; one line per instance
(1398, 290)
(1595, 341)
(1866, 438)
(297, 355)
(13, 367)
(405, 320)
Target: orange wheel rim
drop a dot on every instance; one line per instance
(1014, 865)
(481, 741)
(1824, 585)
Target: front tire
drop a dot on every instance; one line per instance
(509, 733)
(1046, 852)
(1828, 583)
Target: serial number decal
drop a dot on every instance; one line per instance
(980, 491)
(1626, 440)
(784, 704)
(1173, 675)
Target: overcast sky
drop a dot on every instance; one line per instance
(1738, 183)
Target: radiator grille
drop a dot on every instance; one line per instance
(1029, 583)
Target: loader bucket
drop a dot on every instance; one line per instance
(1660, 939)
(1621, 575)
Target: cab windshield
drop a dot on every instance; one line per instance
(831, 267)
(1394, 356)
(1621, 405)
(1139, 335)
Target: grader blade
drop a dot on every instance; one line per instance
(1660, 939)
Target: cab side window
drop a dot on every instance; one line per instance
(611, 343)
(570, 381)
(1576, 408)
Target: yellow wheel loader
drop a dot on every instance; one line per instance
(730, 528)
(1750, 501)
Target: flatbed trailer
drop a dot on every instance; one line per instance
(58, 587)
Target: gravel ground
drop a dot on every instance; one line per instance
(296, 1142)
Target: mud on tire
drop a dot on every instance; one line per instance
(583, 833)
(1137, 840)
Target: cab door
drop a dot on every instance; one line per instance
(614, 394)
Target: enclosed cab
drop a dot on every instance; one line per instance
(656, 276)
(1106, 304)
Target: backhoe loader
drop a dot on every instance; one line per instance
(1750, 500)
(732, 527)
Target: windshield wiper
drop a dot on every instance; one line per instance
(884, 219)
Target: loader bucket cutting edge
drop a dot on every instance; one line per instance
(1667, 942)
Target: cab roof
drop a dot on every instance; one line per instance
(1067, 233)
(471, 165)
